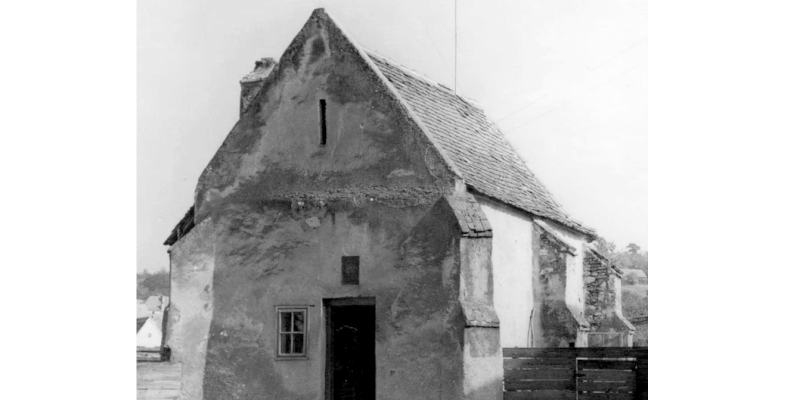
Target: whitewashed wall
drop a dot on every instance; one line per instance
(512, 262)
(149, 335)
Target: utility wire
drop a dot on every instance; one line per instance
(575, 98)
(433, 44)
(570, 82)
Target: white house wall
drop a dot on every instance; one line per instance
(149, 336)
(512, 261)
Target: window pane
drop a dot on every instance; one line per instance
(299, 321)
(286, 343)
(298, 343)
(286, 322)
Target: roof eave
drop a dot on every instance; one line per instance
(589, 233)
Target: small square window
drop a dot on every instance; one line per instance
(292, 329)
(350, 266)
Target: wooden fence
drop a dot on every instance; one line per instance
(158, 381)
(618, 373)
(156, 354)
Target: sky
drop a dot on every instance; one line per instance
(565, 80)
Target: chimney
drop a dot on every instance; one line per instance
(253, 82)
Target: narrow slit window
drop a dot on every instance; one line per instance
(292, 328)
(323, 123)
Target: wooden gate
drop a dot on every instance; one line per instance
(575, 373)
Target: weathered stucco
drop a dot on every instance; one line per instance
(554, 324)
(512, 261)
(436, 331)
(558, 286)
(191, 305)
(274, 150)
(453, 279)
(574, 257)
(276, 211)
(482, 353)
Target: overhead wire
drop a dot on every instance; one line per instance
(573, 80)
(577, 97)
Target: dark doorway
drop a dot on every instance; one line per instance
(350, 369)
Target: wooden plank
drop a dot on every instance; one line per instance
(154, 367)
(540, 395)
(606, 396)
(144, 370)
(162, 397)
(541, 385)
(527, 363)
(606, 375)
(595, 386)
(540, 374)
(642, 374)
(158, 394)
(603, 364)
(159, 366)
(150, 385)
(158, 376)
(158, 380)
(153, 378)
(637, 352)
(588, 352)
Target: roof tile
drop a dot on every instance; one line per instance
(476, 146)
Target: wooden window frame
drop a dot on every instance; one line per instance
(278, 349)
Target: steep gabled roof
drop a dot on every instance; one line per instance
(472, 145)
(476, 146)
(140, 322)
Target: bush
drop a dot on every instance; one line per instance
(633, 305)
(629, 280)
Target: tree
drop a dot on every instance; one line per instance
(152, 284)
(606, 248)
(633, 248)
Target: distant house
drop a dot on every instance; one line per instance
(148, 331)
(636, 275)
(157, 303)
(142, 311)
